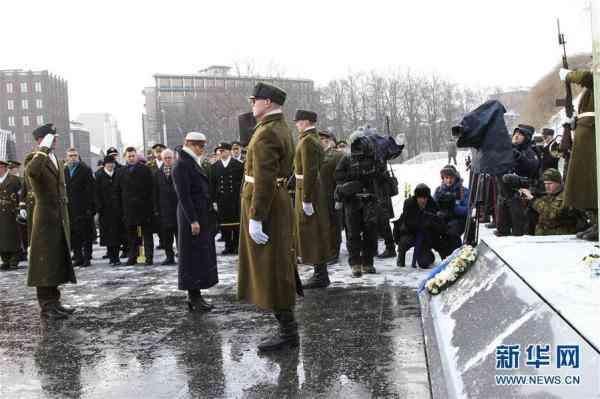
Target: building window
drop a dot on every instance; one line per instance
(39, 104)
(11, 121)
(25, 121)
(9, 88)
(40, 120)
(11, 105)
(163, 82)
(25, 104)
(38, 87)
(23, 87)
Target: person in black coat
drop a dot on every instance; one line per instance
(511, 209)
(108, 207)
(420, 227)
(166, 205)
(80, 193)
(197, 253)
(136, 189)
(228, 173)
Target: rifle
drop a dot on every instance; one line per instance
(566, 102)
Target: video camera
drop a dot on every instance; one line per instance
(515, 181)
(446, 201)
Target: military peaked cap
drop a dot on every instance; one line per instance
(159, 145)
(303, 115)
(547, 132)
(43, 130)
(112, 151)
(263, 91)
(224, 146)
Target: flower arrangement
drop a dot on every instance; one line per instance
(455, 268)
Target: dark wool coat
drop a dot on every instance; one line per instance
(197, 254)
(50, 246)
(108, 206)
(415, 220)
(9, 207)
(136, 193)
(227, 186)
(267, 273)
(165, 199)
(80, 193)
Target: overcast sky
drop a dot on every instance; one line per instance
(108, 50)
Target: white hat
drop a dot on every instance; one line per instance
(195, 136)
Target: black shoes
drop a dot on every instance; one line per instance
(53, 312)
(115, 263)
(168, 262)
(131, 262)
(320, 278)
(369, 269)
(149, 262)
(197, 304)
(64, 309)
(286, 337)
(401, 259)
(388, 253)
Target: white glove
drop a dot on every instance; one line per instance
(308, 209)
(215, 207)
(256, 232)
(570, 121)
(23, 213)
(338, 206)
(562, 74)
(47, 141)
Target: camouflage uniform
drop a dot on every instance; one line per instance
(554, 217)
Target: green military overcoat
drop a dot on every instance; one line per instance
(27, 198)
(554, 219)
(311, 232)
(581, 186)
(330, 161)
(50, 249)
(9, 207)
(267, 273)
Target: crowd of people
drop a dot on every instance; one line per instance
(275, 204)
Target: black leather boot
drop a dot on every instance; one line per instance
(286, 337)
(401, 259)
(320, 278)
(196, 303)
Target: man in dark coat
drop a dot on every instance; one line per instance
(108, 207)
(50, 253)
(80, 192)
(420, 227)
(166, 205)
(227, 174)
(10, 244)
(511, 208)
(197, 253)
(136, 189)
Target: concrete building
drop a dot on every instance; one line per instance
(79, 138)
(104, 130)
(29, 99)
(8, 151)
(210, 101)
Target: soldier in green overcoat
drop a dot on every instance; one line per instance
(50, 252)
(330, 160)
(554, 217)
(267, 261)
(581, 187)
(311, 222)
(10, 244)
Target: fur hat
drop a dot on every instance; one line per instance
(449, 170)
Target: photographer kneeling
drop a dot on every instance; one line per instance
(511, 206)
(452, 199)
(420, 226)
(554, 218)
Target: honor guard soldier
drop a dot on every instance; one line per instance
(267, 274)
(10, 243)
(310, 201)
(50, 253)
(228, 173)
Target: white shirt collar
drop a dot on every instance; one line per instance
(194, 156)
(226, 161)
(2, 178)
(159, 163)
(109, 173)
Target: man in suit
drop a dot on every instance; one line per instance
(50, 253)
(136, 189)
(227, 183)
(165, 202)
(80, 192)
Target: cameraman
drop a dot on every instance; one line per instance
(357, 176)
(511, 206)
(420, 227)
(452, 199)
(554, 217)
